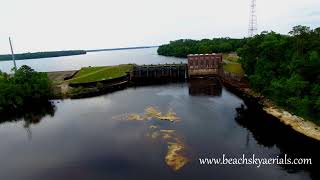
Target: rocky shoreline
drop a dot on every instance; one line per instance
(296, 123)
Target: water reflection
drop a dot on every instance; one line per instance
(205, 87)
(269, 132)
(32, 114)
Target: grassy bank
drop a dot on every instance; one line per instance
(231, 57)
(96, 74)
(233, 68)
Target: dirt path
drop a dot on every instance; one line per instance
(60, 86)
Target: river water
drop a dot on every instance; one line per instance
(127, 135)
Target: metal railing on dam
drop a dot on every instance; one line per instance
(159, 72)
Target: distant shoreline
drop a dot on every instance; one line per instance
(53, 54)
(119, 49)
(41, 55)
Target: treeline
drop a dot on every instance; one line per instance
(38, 55)
(183, 47)
(286, 68)
(23, 89)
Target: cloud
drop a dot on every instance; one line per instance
(38, 25)
(314, 13)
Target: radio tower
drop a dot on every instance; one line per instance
(12, 54)
(253, 23)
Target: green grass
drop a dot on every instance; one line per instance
(96, 74)
(233, 68)
(231, 57)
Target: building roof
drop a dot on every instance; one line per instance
(202, 54)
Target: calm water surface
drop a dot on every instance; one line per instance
(81, 139)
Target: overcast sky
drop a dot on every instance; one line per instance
(40, 25)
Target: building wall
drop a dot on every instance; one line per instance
(204, 64)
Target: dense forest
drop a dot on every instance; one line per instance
(38, 55)
(286, 68)
(183, 47)
(23, 89)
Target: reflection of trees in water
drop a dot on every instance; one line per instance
(30, 114)
(205, 87)
(269, 132)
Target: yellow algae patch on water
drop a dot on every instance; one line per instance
(170, 116)
(167, 131)
(153, 127)
(149, 113)
(164, 134)
(130, 117)
(136, 117)
(175, 157)
(155, 135)
(120, 117)
(152, 112)
(167, 134)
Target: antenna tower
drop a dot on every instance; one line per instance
(12, 53)
(253, 22)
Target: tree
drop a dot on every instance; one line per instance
(300, 31)
(183, 47)
(25, 87)
(286, 68)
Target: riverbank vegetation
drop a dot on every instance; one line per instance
(23, 89)
(230, 57)
(183, 47)
(286, 68)
(82, 92)
(38, 55)
(96, 74)
(233, 68)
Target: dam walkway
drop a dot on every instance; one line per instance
(160, 72)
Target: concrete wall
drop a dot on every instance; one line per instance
(170, 71)
(203, 72)
(204, 64)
